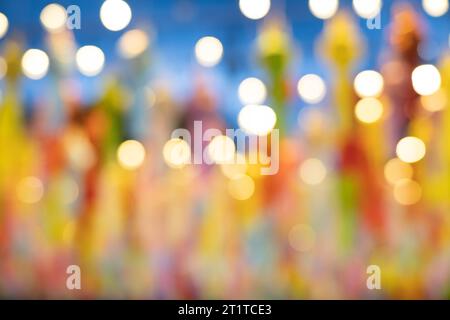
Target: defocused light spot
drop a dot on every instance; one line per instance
(407, 192)
(53, 17)
(3, 68)
(426, 79)
(208, 51)
(241, 187)
(252, 91)
(396, 170)
(35, 64)
(411, 149)
(369, 83)
(30, 190)
(131, 154)
(115, 14)
(311, 88)
(369, 110)
(221, 149)
(70, 190)
(3, 25)
(302, 238)
(313, 172)
(435, 102)
(133, 43)
(323, 9)
(435, 8)
(254, 9)
(257, 120)
(177, 153)
(235, 168)
(312, 122)
(367, 9)
(90, 60)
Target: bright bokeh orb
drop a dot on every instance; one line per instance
(115, 14)
(313, 172)
(53, 17)
(369, 110)
(35, 64)
(302, 238)
(311, 88)
(241, 187)
(177, 153)
(90, 60)
(234, 168)
(221, 149)
(252, 91)
(133, 43)
(435, 102)
(254, 9)
(411, 149)
(426, 79)
(257, 120)
(367, 9)
(208, 51)
(323, 9)
(71, 191)
(368, 84)
(4, 24)
(435, 8)
(407, 192)
(30, 190)
(396, 170)
(131, 154)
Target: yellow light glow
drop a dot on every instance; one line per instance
(257, 120)
(208, 51)
(252, 91)
(177, 153)
(30, 190)
(4, 24)
(367, 9)
(241, 187)
(407, 192)
(254, 9)
(35, 64)
(302, 238)
(133, 43)
(311, 88)
(235, 168)
(131, 154)
(435, 102)
(396, 170)
(3, 68)
(323, 9)
(221, 149)
(411, 149)
(369, 110)
(90, 60)
(115, 14)
(426, 79)
(53, 17)
(313, 172)
(369, 83)
(435, 8)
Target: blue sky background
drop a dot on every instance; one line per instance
(178, 24)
